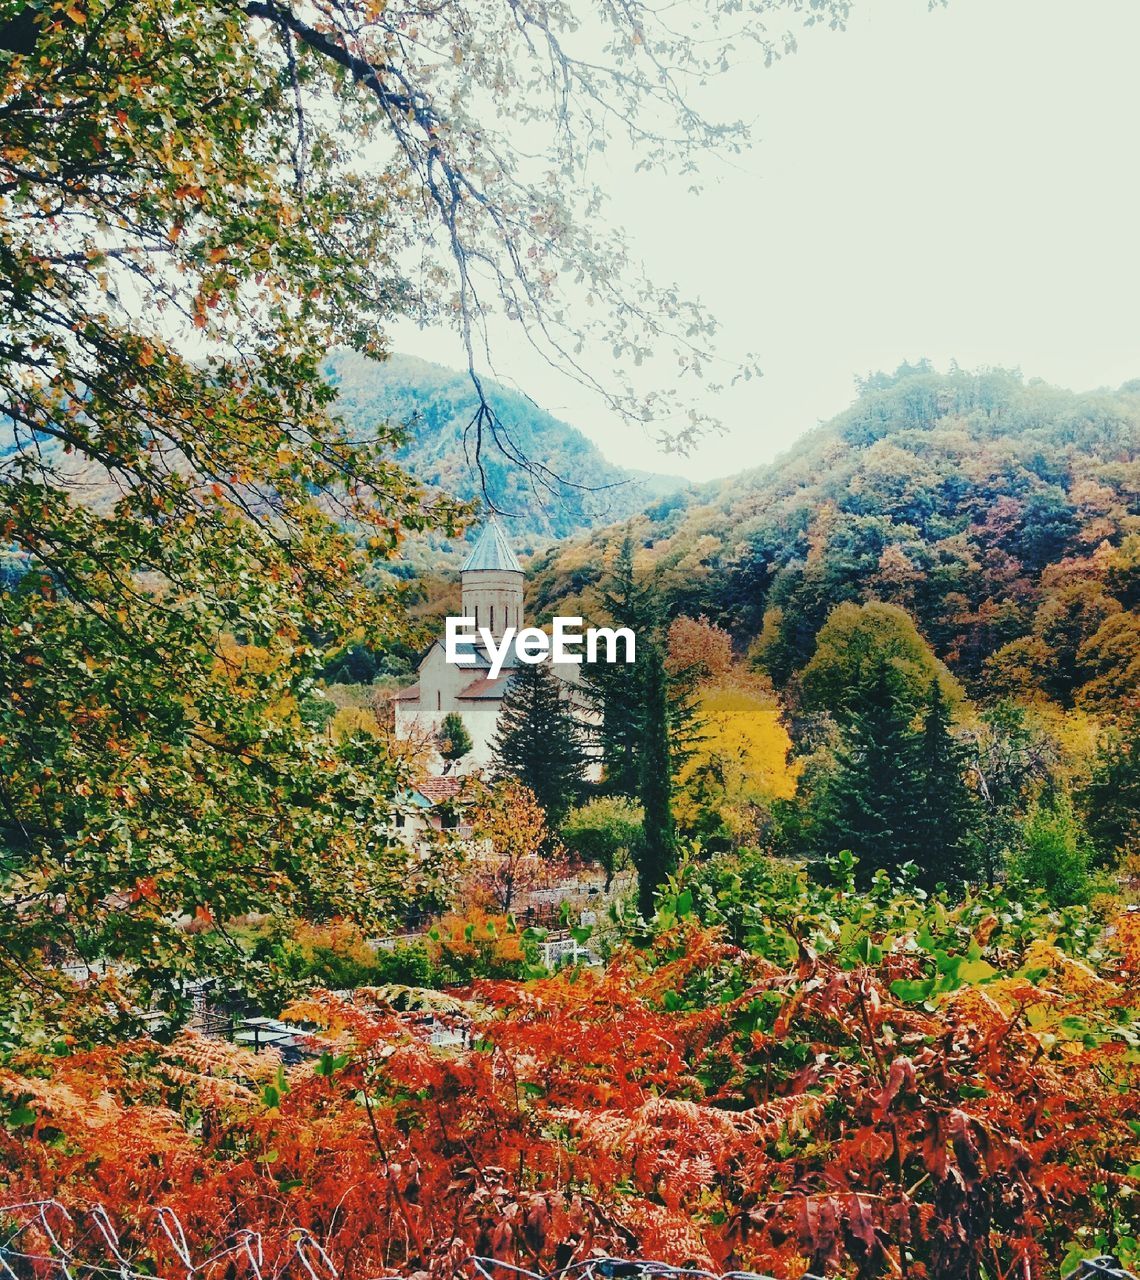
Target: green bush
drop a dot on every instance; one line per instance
(1055, 854)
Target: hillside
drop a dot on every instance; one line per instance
(1002, 515)
(437, 404)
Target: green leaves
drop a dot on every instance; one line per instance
(329, 1064)
(273, 1094)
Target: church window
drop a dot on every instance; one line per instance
(492, 618)
(438, 700)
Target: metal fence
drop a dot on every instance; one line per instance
(43, 1240)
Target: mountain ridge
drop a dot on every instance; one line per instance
(436, 404)
(977, 501)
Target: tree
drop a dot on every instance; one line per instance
(539, 741)
(870, 802)
(739, 767)
(946, 812)
(859, 646)
(454, 740)
(179, 177)
(1054, 853)
(656, 855)
(696, 645)
(1110, 800)
(604, 830)
(615, 690)
(511, 822)
(1009, 758)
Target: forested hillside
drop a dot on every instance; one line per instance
(546, 476)
(1004, 516)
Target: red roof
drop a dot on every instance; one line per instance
(410, 694)
(437, 789)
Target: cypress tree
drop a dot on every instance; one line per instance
(538, 740)
(945, 814)
(657, 852)
(617, 690)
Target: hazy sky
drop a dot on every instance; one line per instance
(959, 184)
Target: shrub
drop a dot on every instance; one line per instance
(1055, 854)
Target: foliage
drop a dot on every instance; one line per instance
(1010, 758)
(539, 740)
(336, 956)
(877, 1085)
(618, 693)
(1110, 800)
(604, 830)
(360, 664)
(454, 740)
(855, 646)
(894, 793)
(697, 646)
(514, 852)
(968, 499)
(656, 854)
(1055, 853)
(478, 944)
(739, 766)
(199, 204)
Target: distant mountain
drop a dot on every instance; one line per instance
(436, 404)
(1003, 515)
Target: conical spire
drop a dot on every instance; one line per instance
(492, 551)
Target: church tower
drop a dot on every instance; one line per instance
(492, 582)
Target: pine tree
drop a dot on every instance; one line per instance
(539, 742)
(945, 814)
(870, 803)
(454, 740)
(657, 853)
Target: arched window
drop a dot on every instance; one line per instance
(438, 700)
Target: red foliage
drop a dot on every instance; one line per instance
(689, 1103)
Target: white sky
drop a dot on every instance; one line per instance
(959, 184)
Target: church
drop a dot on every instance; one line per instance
(492, 592)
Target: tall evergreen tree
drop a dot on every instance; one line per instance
(617, 690)
(945, 815)
(539, 742)
(871, 800)
(657, 852)
(1111, 797)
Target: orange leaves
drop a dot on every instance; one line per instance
(718, 1110)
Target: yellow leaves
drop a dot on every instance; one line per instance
(76, 15)
(1074, 977)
